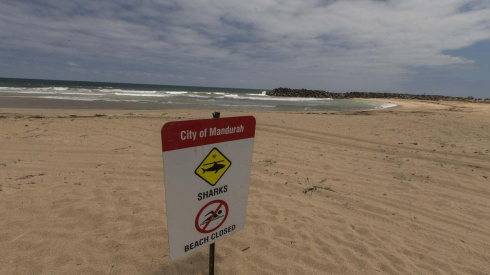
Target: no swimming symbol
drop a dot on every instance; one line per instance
(211, 216)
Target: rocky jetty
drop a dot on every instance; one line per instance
(287, 92)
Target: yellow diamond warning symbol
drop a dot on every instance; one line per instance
(213, 167)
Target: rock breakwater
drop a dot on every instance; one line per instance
(287, 92)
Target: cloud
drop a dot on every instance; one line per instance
(312, 43)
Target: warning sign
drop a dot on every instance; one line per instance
(206, 167)
(213, 167)
(211, 216)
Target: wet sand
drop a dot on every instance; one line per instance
(396, 191)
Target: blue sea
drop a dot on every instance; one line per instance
(159, 97)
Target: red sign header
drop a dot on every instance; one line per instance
(191, 133)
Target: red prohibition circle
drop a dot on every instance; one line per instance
(204, 230)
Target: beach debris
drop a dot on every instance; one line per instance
(314, 188)
(269, 161)
(100, 115)
(485, 177)
(73, 116)
(359, 113)
(29, 176)
(246, 248)
(36, 129)
(309, 190)
(415, 143)
(122, 148)
(325, 188)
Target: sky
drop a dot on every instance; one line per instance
(403, 46)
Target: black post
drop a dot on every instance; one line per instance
(211, 259)
(211, 247)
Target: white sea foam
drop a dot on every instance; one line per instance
(75, 93)
(245, 105)
(262, 94)
(50, 90)
(32, 91)
(177, 103)
(291, 99)
(131, 92)
(144, 95)
(72, 98)
(199, 96)
(385, 105)
(176, 92)
(9, 89)
(388, 105)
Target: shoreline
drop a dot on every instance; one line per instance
(24, 102)
(18, 104)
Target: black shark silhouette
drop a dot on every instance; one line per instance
(216, 167)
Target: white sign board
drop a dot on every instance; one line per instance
(206, 166)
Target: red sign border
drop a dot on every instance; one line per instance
(202, 209)
(171, 131)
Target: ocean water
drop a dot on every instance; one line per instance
(156, 97)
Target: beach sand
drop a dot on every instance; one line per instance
(395, 191)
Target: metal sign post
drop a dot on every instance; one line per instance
(211, 259)
(212, 246)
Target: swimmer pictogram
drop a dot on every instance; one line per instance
(211, 216)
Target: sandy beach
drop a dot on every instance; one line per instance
(395, 191)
